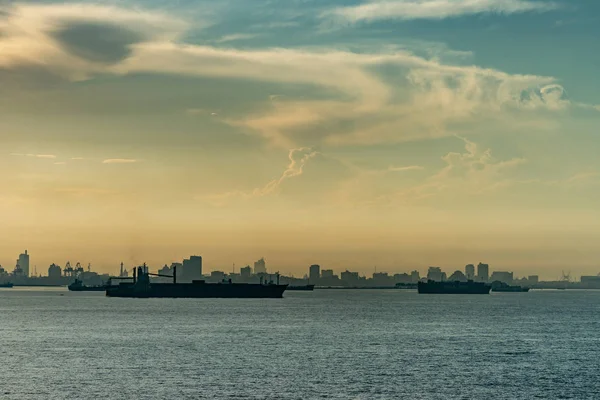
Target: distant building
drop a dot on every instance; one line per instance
(350, 278)
(165, 270)
(435, 274)
(483, 272)
(54, 272)
(192, 269)
(246, 272)
(533, 279)
(470, 271)
(260, 267)
(402, 278)
(415, 276)
(502, 276)
(217, 276)
(457, 276)
(314, 273)
(327, 273)
(591, 282)
(24, 263)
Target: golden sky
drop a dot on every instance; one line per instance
(313, 132)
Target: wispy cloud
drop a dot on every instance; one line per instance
(119, 161)
(77, 158)
(236, 37)
(49, 156)
(297, 160)
(434, 9)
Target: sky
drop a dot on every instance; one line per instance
(388, 134)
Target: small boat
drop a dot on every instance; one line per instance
(78, 286)
(6, 285)
(498, 286)
(301, 287)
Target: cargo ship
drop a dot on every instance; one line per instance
(447, 287)
(141, 287)
(301, 287)
(498, 286)
(78, 286)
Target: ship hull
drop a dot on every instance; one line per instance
(517, 289)
(87, 288)
(195, 290)
(453, 288)
(303, 287)
(6, 285)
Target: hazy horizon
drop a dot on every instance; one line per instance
(397, 134)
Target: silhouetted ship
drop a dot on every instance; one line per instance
(301, 287)
(78, 286)
(469, 287)
(498, 286)
(143, 288)
(6, 285)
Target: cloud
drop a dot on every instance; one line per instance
(119, 161)
(355, 105)
(49, 156)
(236, 37)
(297, 160)
(77, 158)
(403, 169)
(434, 9)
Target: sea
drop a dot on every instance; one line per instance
(325, 344)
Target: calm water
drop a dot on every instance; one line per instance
(329, 344)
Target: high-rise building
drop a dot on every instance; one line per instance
(260, 267)
(192, 269)
(246, 272)
(483, 272)
(435, 274)
(24, 263)
(314, 273)
(54, 272)
(533, 279)
(415, 276)
(470, 271)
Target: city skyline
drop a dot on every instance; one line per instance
(398, 134)
(307, 271)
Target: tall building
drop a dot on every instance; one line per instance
(246, 272)
(314, 273)
(502, 276)
(192, 269)
(24, 263)
(435, 274)
(415, 276)
(54, 272)
(483, 272)
(470, 271)
(260, 267)
(533, 279)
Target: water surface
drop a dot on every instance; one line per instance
(326, 344)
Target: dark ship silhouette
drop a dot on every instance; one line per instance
(301, 287)
(455, 287)
(78, 286)
(498, 286)
(141, 287)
